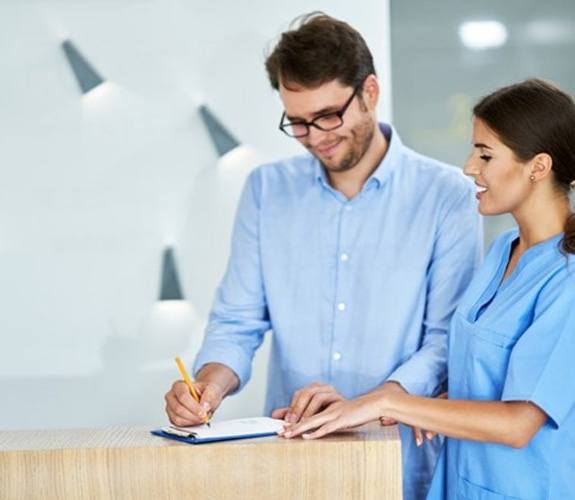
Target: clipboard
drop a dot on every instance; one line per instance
(227, 430)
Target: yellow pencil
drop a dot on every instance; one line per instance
(189, 382)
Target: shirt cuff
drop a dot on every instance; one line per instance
(232, 358)
(414, 385)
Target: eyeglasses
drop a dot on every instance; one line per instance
(329, 121)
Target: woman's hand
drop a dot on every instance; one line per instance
(338, 416)
(308, 401)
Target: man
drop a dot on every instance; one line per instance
(354, 254)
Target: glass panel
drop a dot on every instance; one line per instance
(446, 55)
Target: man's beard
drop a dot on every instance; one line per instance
(360, 140)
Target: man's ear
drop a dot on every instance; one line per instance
(370, 92)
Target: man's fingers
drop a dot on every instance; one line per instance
(421, 435)
(179, 414)
(280, 413)
(211, 398)
(184, 422)
(418, 436)
(182, 393)
(387, 421)
(185, 409)
(303, 397)
(298, 404)
(319, 402)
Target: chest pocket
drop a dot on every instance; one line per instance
(469, 491)
(486, 358)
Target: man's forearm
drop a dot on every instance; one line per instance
(425, 371)
(219, 374)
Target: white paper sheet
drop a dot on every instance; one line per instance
(229, 428)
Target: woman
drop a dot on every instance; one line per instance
(510, 414)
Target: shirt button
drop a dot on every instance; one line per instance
(336, 356)
(348, 208)
(341, 306)
(344, 257)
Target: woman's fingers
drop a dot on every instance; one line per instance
(324, 430)
(310, 423)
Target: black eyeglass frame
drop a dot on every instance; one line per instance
(339, 113)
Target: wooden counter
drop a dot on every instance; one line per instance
(129, 463)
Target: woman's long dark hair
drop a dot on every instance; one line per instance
(534, 117)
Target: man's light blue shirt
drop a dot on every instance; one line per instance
(355, 292)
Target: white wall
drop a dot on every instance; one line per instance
(92, 188)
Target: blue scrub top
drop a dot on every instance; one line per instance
(515, 341)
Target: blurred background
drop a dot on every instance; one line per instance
(123, 153)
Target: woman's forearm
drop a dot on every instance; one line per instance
(509, 423)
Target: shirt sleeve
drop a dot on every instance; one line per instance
(541, 366)
(456, 255)
(239, 316)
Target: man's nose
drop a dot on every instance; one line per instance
(315, 136)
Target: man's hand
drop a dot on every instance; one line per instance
(385, 421)
(183, 410)
(307, 402)
(214, 382)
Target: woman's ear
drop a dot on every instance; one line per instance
(540, 167)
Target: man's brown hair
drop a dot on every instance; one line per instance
(317, 50)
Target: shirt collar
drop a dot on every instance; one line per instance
(385, 167)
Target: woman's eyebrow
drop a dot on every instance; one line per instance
(481, 145)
